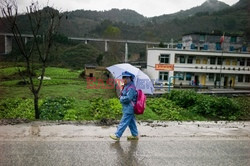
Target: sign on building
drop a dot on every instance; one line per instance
(168, 67)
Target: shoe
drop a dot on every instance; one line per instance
(132, 138)
(114, 137)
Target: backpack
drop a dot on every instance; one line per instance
(140, 104)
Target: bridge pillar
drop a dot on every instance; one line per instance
(86, 42)
(172, 43)
(8, 44)
(25, 40)
(126, 52)
(106, 46)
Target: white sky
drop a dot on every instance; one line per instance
(147, 8)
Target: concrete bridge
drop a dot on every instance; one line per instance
(6, 42)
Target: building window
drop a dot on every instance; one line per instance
(218, 77)
(234, 62)
(211, 76)
(240, 78)
(212, 60)
(218, 46)
(204, 61)
(227, 61)
(202, 38)
(182, 59)
(188, 76)
(163, 76)
(198, 61)
(180, 74)
(248, 61)
(219, 62)
(242, 61)
(247, 78)
(164, 58)
(233, 39)
(190, 59)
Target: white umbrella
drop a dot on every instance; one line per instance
(141, 80)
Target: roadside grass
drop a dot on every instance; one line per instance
(148, 115)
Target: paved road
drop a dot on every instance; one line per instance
(151, 151)
(160, 144)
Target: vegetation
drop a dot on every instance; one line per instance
(41, 45)
(66, 97)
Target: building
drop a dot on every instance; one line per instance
(98, 72)
(212, 42)
(199, 60)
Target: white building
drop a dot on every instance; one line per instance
(201, 67)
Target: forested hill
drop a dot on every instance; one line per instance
(208, 6)
(128, 24)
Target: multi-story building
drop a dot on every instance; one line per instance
(213, 66)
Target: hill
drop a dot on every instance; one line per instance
(127, 24)
(209, 6)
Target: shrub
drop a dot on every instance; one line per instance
(55, 108)
(183, 98)
(17, 108)
(166, 109)
(205, 105)
(71, 114)
(106, 109)
(217, 107)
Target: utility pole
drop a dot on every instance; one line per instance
(222, 44)
(126, 52)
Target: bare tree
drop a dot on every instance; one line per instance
(43, 25)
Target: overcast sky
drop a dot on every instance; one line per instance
(147, 8)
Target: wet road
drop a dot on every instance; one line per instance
(147, 151)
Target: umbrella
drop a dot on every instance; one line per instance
(141, 80)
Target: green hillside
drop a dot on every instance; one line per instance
(212, 15)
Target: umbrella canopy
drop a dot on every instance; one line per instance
(141, 80)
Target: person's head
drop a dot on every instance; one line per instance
(127, 77)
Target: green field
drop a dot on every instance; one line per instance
(64, 82)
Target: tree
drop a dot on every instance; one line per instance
(43, 25)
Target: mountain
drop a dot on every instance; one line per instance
(82, 22)
(209, 6)
(212, 15)
(114, 15)
(128, 24)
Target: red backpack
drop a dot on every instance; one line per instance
(140, 105)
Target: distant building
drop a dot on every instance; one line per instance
(97, 72)
(200, 60)
(211, 42)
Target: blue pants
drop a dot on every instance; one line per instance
(127, 120)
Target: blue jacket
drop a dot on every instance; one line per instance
(128, 94)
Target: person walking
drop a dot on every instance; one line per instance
(128, 99)
(230, 83)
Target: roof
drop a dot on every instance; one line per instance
(89, 66)
(214, 33)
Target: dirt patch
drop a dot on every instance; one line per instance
(13, 121)
(106, 122)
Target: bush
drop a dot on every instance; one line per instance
(106, 109)
(55, 108)
(17, 108)
(71, 114)
(183, 98)
(166, 109)
(217, 107)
